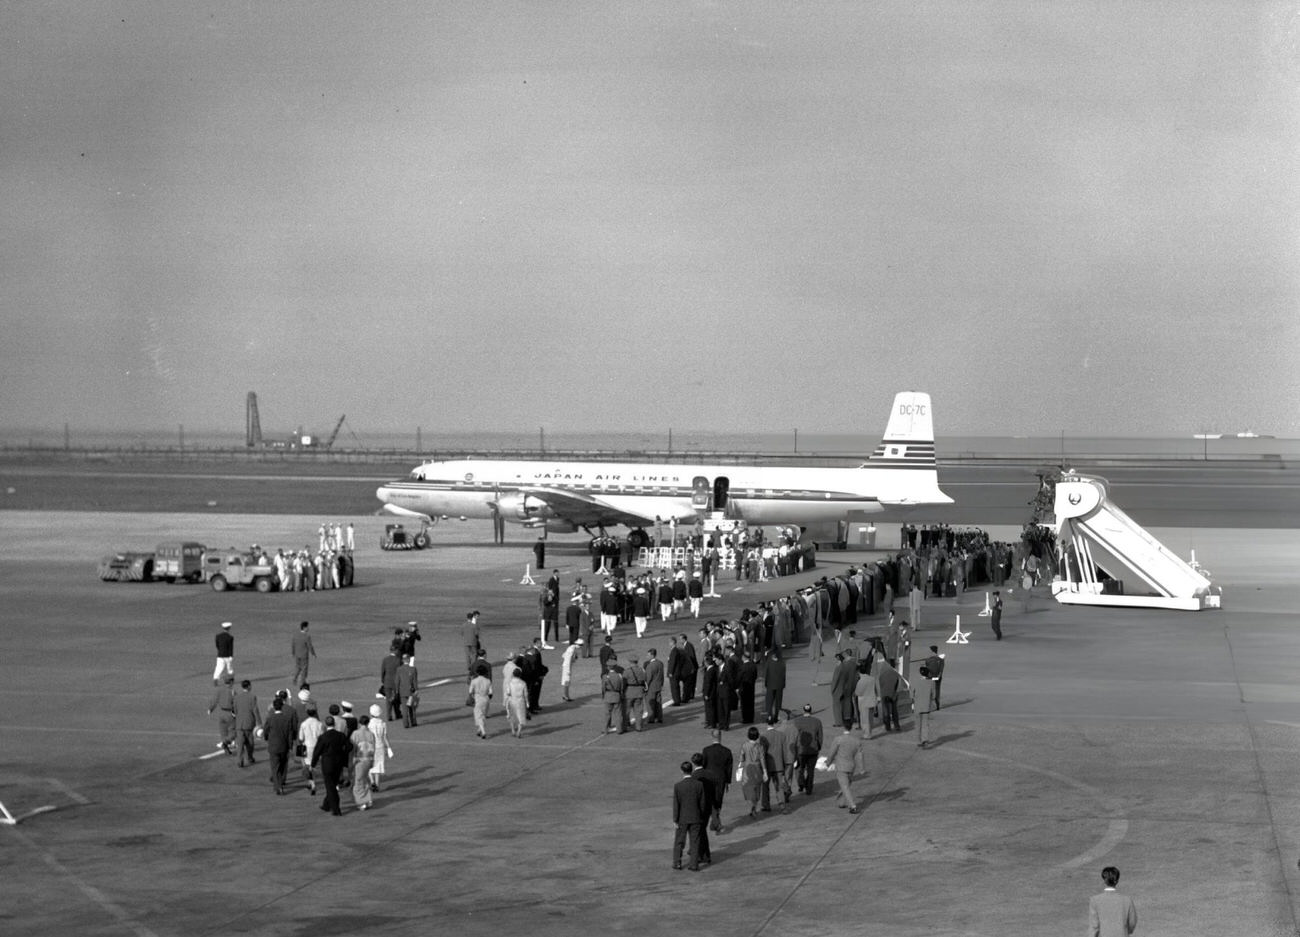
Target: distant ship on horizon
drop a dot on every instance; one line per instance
(1246, 435)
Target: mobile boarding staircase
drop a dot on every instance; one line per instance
(1108, 559)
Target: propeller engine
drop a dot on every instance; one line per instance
(521, 508)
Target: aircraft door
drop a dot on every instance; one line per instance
(721, 485)
(700, 494)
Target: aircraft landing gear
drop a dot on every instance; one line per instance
(638, 538)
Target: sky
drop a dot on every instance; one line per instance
(1054, 217)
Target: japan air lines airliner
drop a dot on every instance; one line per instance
(564, 495)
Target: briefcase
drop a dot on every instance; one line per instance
(904, 699)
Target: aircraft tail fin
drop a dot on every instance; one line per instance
(909, 436)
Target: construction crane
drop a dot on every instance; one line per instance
(252, 423)
(335, 435)
(299, 440)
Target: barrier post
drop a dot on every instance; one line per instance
(713, 591)
(988, 609)
(528, 579)
(959, 636)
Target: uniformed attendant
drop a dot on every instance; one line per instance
(611, 694)
(634, 680)
(223, 703)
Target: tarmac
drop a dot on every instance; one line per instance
(1165, 743)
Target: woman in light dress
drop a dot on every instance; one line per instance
(865, 693)
(516, 700)
(383, 751)
(508, 670)
(363, 756)
(752, 769)
(308, 733)
(480, 692)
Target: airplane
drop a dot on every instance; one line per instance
(561, 495)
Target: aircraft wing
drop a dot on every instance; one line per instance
(631, 510)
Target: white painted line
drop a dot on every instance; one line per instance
(438, 682)
(31, 813)
(1114, 836)
(90, 891)
(1116, 830)
(67, 791)
(215, 754)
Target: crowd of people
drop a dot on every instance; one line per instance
(747, 553)
(943, 561)
(329, 566)
(349, 750)
(734, 668)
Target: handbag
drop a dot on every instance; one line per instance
(300, 749)
(740, 773)
(469, 699)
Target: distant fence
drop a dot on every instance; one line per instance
(408, 457)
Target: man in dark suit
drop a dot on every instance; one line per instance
(573, 617)
(408, 690)
(247, 720)
(700, 774)
(690, 668)
(281, 733)
(471, 638)
(303, 651)
(807, 746)
(711, 690)
(654, 686)
(773, 684)
(676, 663)
(748, 678)
(331, 753)
(729, 690)
(1111, 914)
(843, 683)
(888, 683)
(550, 602)
(388, 681)
(778, 757)
(718, 764)
(535, 672)
(690, 813)
(607, 653)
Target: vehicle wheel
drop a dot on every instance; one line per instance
(638, 538)
(421, 541)
(170, 580)
(219, 584)
(262, 584)
(194, 577)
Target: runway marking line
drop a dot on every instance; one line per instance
(1116, 830)
(90, 891)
